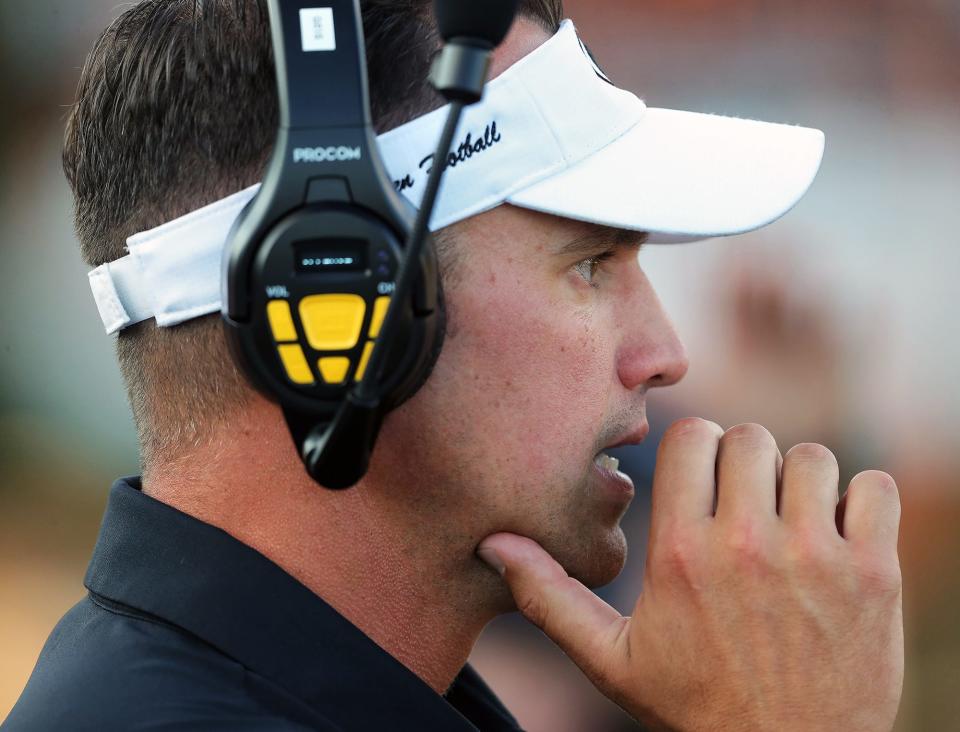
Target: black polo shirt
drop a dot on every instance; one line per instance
(186, 628)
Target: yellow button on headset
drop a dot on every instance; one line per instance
(332, 322)
(334, 370)
(281, 321)
(364, 360)
(295, 363)
(379, 313)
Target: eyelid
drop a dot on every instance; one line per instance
(594, 261)
(599, 255)
(616, 248)
(603, 256)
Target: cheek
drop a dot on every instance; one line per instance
(530, 378)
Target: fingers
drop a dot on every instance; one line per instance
(747, 474)
(684, 481)
(871, 515)
(742, 473)
(584, 626)
(810, 491)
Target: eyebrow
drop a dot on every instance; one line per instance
(599, 237)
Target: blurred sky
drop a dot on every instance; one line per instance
(837, 324)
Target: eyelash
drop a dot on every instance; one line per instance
(594, 263)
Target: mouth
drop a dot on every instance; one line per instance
(608, 467)
(606, 462)
(634, 437)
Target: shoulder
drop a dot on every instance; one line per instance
(106, 667)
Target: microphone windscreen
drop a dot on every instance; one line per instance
(483, 20)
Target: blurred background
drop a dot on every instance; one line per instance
(837, 325)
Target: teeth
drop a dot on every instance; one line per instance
(606, 462)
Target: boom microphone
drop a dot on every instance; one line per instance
(471, 31)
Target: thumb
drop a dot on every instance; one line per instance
(588, 630)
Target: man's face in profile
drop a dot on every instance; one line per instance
(554, 336)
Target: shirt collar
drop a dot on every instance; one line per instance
(161, 561)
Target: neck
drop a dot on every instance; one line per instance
(392, 568)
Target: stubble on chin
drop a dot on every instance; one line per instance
(590, 546)
(594, 560)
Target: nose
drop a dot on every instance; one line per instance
(651, 353)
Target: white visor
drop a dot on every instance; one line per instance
(552, 134)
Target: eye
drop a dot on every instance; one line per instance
(588, 268)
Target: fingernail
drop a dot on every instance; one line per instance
(492, 558)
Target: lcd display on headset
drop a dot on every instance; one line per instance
(318, 256)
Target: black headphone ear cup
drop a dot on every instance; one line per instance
(318, 260)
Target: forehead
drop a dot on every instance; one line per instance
(591, 237)
(523, 232)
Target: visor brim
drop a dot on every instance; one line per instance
(684, 176)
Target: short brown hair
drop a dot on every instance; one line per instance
(176, 108)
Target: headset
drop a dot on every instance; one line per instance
(333, 304)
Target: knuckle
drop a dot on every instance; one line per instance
(811, 452)
(883, 487)
(745, 545)
(877, 480)
(807, 547)
(749, 433)
(678, 553)
(533, 607)
(693, 427)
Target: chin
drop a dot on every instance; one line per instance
(593, 560)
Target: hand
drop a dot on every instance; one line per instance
(750, 618)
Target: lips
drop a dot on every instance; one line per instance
(634, 437)
(612, 484)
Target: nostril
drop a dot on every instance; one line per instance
(648, 369)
